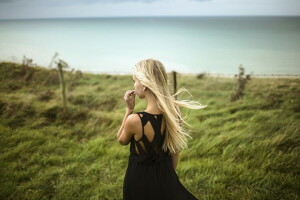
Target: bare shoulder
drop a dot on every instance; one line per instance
(133, 121)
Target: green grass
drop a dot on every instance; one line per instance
(244, 150)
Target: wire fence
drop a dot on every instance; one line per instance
(254, 91)
(256, 75)
(273, 91)
(266, 122)
(251, 75)
(279, 75)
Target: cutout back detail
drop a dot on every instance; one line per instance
(153, 134)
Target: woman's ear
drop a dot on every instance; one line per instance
(144, 88)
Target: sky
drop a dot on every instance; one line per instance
(22, 9)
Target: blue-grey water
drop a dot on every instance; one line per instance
(263, 45)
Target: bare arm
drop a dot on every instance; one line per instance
(175, 156)
(127, 113)
(175, 159)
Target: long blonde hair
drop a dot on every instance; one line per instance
(151, 73)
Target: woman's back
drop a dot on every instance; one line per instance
(150, 174)
(152, 134)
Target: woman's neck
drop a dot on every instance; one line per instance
(152, 104)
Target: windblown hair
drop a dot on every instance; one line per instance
(151, 73)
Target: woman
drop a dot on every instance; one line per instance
(156, 137)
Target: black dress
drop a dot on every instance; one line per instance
(150, 174)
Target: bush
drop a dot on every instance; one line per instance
(201, 75)
(46, 95)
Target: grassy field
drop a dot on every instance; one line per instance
(245, 150)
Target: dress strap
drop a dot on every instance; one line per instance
(140, 148)
(143, 124)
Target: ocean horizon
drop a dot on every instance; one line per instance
(216, 45)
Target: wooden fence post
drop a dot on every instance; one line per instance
(174, 83)
(60, 66)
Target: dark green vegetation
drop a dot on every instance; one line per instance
(244, 150)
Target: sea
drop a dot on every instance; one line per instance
(193, 45)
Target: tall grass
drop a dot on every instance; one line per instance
(244, 150)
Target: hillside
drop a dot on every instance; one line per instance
(245, 150)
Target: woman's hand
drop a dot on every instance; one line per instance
(129, 98)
